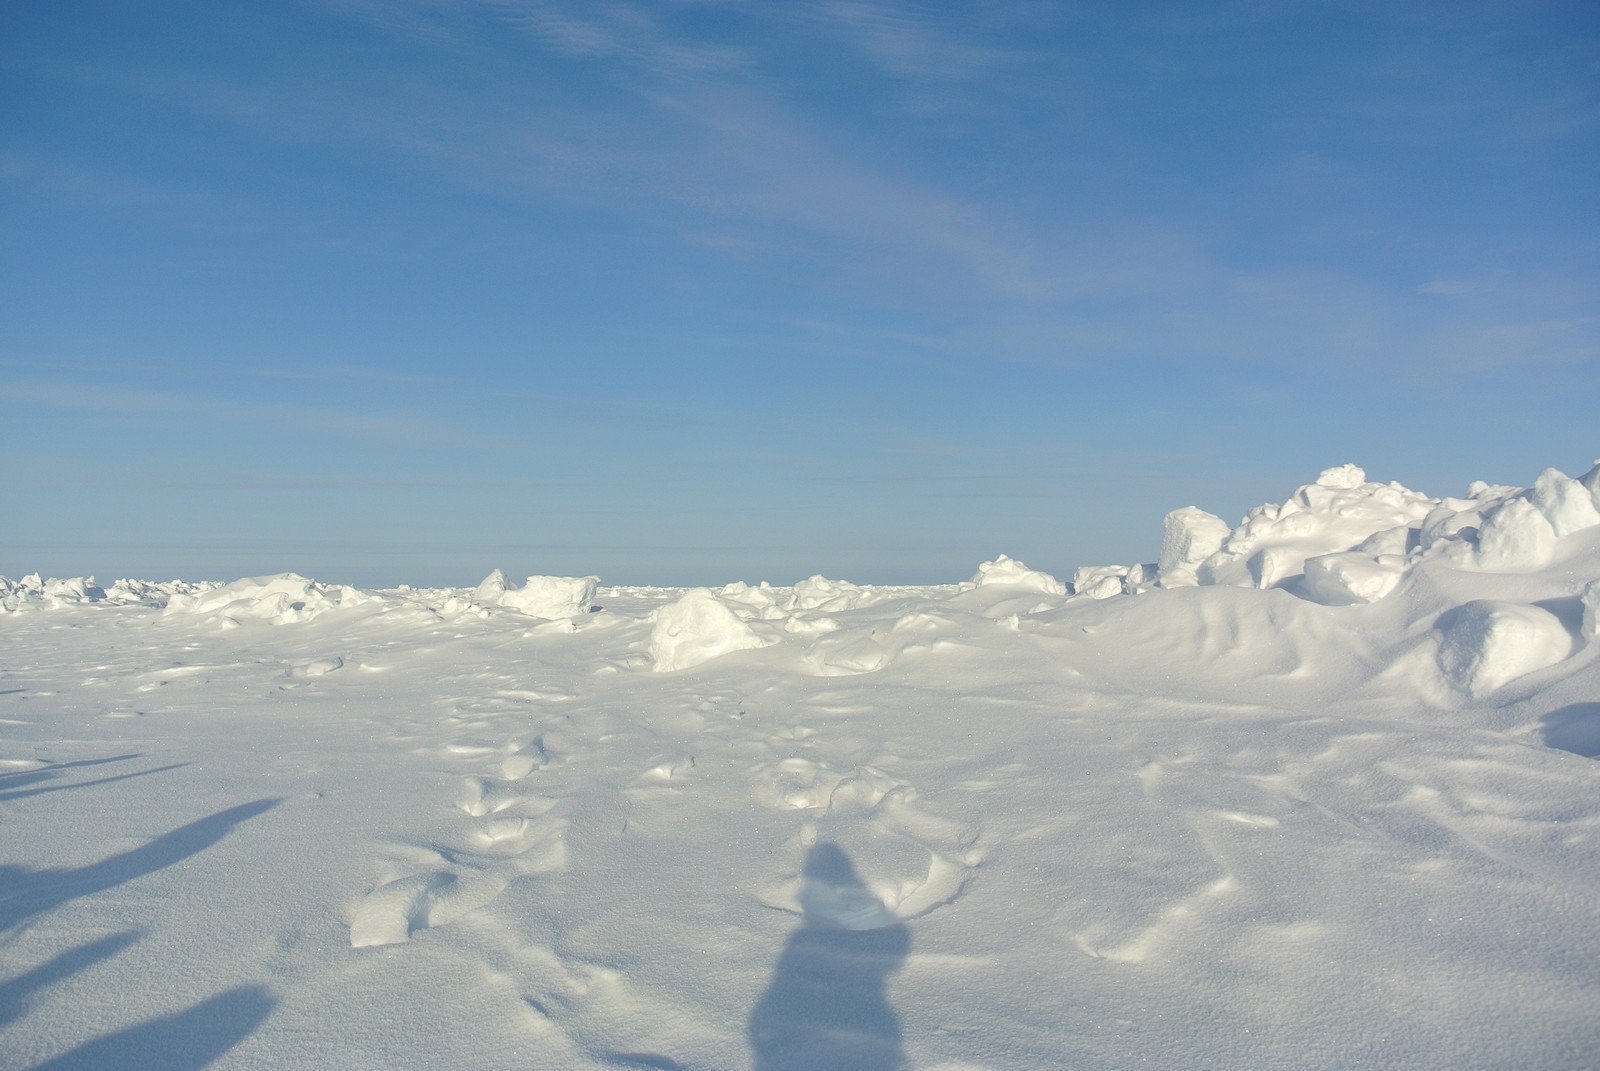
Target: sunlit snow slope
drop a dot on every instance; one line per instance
(1319, 790)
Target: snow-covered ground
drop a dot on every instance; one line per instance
(1319, 790)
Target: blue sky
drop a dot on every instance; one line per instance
(689, 291)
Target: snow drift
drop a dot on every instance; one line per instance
(1316, 789)
(547, 597)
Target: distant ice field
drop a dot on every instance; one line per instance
(1315, 790)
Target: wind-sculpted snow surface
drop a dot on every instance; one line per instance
(34, 592)
(1323, 792)
(1344, 540)
(1008, 572)
(695, 629)
(548, 597)
(285, 598)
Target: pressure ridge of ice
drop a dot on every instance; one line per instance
(1319, 789)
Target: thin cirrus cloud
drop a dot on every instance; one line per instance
(716, 148)
(738, 156)
(744, 155)
(725, 150)
(625, 32)
(912, 43)
(770, 243)
(412, 430)
(342, 375)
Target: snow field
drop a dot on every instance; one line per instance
(1267, 811)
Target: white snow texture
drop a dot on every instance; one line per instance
(1317, 790)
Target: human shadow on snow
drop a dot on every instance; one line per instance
(1574, 728)
(184, 1041)
(17, 993)
(827, 1006)
(7, 794)
(25, 893)
(10, 779)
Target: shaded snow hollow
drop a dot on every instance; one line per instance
(1316, 790)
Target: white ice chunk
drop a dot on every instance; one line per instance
(551, 597)
(1340, 512)
(820, 593)
(759, 601)
(1447, 521)
(283, 598)
(316, 667)
(1008, 572)
(1515, 536)
(696, 629)
(1189, 536)
(76, 590)
(1099, 581)
(1343, 477)
(1396, 540)
(1351, 577)
(491, 589)
(1591, 480)
(1565, 502)
(1486, 644)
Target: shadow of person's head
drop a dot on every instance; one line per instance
(827, 1005)
(832, 894)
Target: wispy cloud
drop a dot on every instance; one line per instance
(747, 158)
(177, 203)
(321, 374)
(912, 41)
(433, 21)
(701, 138)
(407, 429)
(630, 33)
(723, 145)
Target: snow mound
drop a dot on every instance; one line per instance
(1512, 529)
(281, 599)
(829, 596)
(1190, 802)
(1591, 481)
(1189, 536)
(1453, 522)
(33, 590)
(490, 591)
(145, 593)
(1350, 577)
(1486, 644)
(73, 591)
(1344, 540)
(1566, 503)
(761, 601)
(1005, 571)
(847, 652)
(695, 629)
(1340, 512)
(316, 667)
(1516, 536)
(1100, 581)
(548, 597)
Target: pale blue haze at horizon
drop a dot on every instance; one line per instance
(689, 292)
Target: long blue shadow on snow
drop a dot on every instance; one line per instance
(1574, 728)
(17, 993)
(184, 1041)
(13, 778)
(17, 795)
(25, 893)
(827, 1006)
